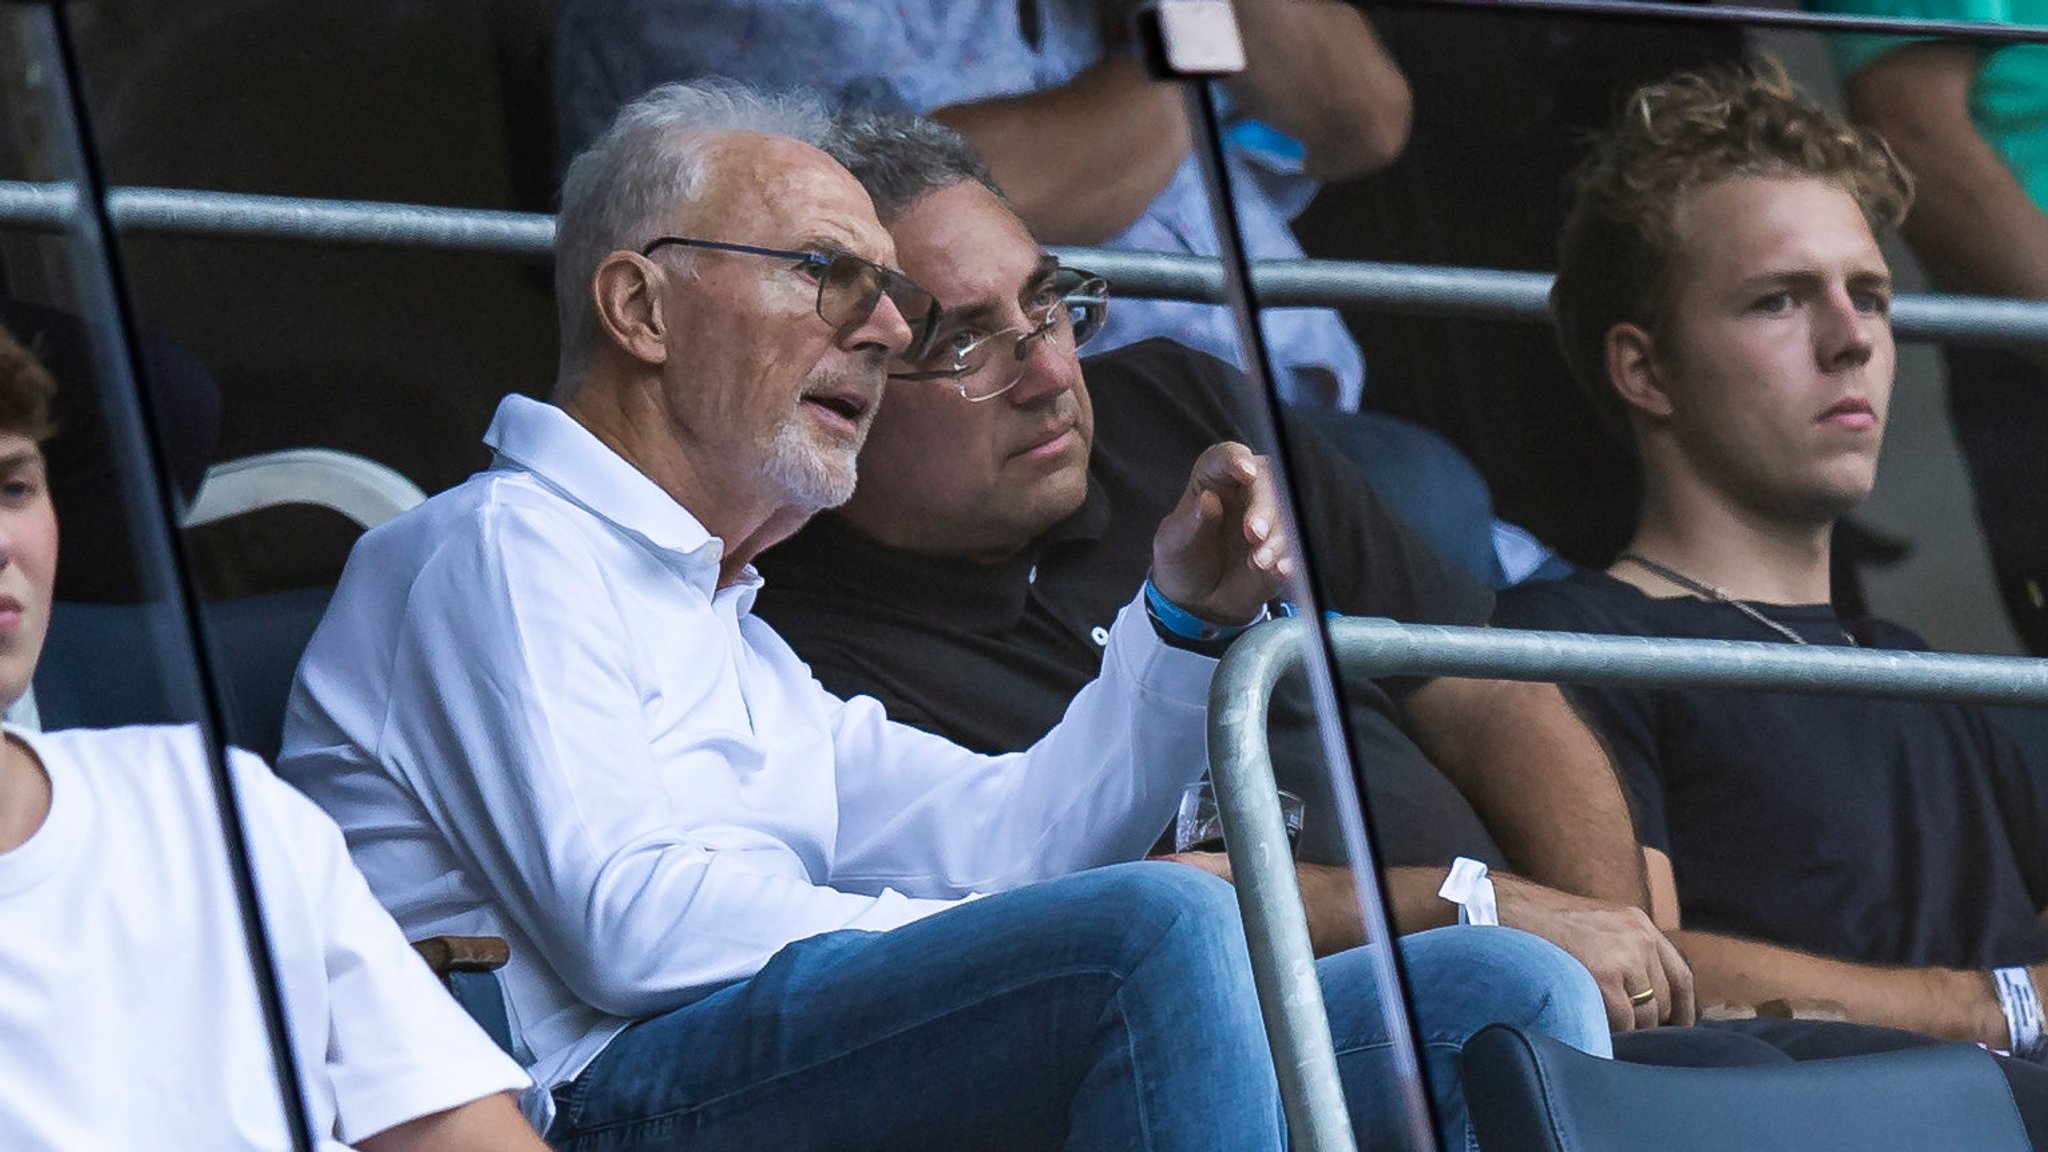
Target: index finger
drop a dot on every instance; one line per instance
(1262, 502)
(1226, 465)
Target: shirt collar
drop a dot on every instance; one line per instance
(543, 440)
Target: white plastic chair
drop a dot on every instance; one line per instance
(361, 489)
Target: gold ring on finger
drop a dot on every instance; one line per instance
(1641, 998)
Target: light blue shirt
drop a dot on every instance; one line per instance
(915, 56)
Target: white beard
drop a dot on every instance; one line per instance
(816, 476)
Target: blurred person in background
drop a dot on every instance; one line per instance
(1970, 122)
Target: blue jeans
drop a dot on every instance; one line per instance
(1463, 979)
(1109, 1010)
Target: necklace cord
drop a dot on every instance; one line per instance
(1720, 596)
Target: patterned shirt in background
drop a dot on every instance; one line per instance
(2008, 94)
(913, 57)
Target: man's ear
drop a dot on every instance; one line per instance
(1634, 372)
(628, 294)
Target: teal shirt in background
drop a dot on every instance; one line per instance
(2008, 101)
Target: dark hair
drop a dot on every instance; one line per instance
(899, 158)
(26, 389)
(1673, 138)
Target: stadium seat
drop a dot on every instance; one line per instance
(363, 490)
(1534, 1094)
(468, 968)
(257, 639)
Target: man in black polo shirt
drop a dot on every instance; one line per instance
(968, 582)
(1722, 296)
(989, 652)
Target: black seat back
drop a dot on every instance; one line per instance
(103, 663)
(1535, 1094)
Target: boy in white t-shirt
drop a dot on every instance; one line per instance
(129, 1015)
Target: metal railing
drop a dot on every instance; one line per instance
(1407, 289)
(1241, 765)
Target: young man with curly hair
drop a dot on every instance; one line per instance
(1722, 296)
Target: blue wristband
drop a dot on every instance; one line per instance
(1183, 623)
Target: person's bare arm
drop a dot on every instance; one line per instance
(491, 1124)
(1538, 779)
(1972, 225)
(1316, 71)
(1619, 946)
(1080, 162)
(1663, 889)
(1955, 1004)
(1617, 943)
(1329, 899)
(1951, 1003)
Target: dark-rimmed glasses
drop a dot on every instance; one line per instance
(848, 286)
(983, 366)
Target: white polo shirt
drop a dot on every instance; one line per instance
(536, 715)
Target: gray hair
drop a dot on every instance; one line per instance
(622, 191)
(899, 158)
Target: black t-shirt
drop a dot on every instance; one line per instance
(989, 655)
(1885, 831)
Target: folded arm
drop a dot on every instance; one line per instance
(1538, 779)
(1620, 947)
(1955, 1004)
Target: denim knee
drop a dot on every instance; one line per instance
(1155, 896)
(1141, 910)
(1467, 977)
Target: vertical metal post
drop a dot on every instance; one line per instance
(154, 507)
(1262, 866)
(1195, 42)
